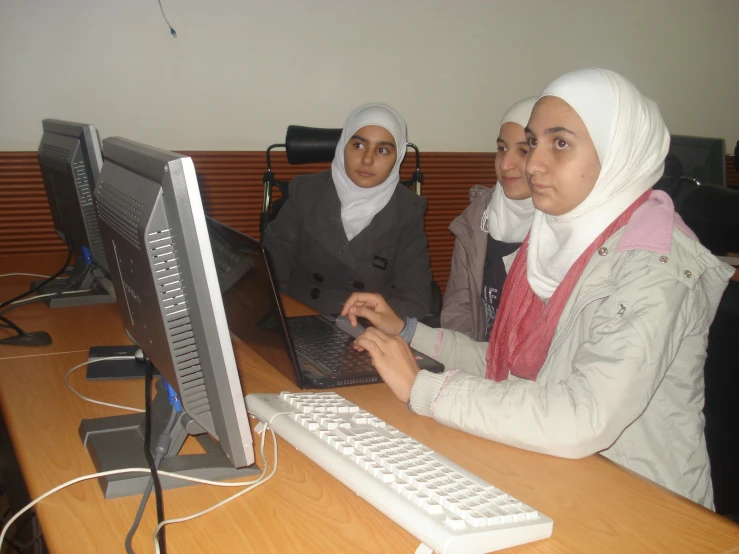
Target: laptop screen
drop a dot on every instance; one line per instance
(252, 307)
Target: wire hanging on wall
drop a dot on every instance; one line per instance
(164, 15)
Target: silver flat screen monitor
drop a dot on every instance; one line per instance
(161, 264)
(70, 159)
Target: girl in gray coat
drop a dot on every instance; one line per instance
(601, 337)
(489, 232)
(355, 227)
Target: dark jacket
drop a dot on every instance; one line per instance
(315, 263)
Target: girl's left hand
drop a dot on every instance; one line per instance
(393, 359)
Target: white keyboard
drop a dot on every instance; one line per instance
(447, 508)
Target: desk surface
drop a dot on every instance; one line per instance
(71, 329)
(596, 505)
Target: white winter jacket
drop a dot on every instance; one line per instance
(624, 373)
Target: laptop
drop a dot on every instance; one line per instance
(312, 351)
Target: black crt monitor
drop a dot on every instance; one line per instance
(703, 159)
(161, 264)
(70, 159)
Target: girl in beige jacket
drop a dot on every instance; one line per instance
(600, 341)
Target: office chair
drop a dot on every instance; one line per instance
(712, 212)
(305, 145)
(674, 181)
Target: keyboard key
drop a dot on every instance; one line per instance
(476, 519)
(386, 477)
(431, 507)
(455, 523)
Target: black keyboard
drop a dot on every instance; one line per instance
(319, 340)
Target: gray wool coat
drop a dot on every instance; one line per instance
(315, 263)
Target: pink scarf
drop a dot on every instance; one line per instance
(523, 330)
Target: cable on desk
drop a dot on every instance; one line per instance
(23, 338)
(259, 481)
(150, 459)
(42, 283)
(18, 303)
(25, 275)
(39, 298)
(249, 484)
(160, 451)
(10, 325)
(100, 402)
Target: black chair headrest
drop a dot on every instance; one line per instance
(306, 145)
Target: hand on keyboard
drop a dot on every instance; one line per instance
(343, 323)
(393, 360)
(374, 308)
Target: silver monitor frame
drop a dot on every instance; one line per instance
(83, 162)
(162, 268)
(70, 160)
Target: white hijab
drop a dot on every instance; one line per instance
(631, 140)
(360, 205)
(505, 219)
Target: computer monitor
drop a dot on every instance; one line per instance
(70, 160)
(161, 264)
(702, 158)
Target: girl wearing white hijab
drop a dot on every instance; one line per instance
(355, 227)
(600, 340)
(488, 233)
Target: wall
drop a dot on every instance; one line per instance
(240, 72)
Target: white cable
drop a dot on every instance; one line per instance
(165, 473)
(248, 484)
(25, 275)
(261, 480)
(36, 297)
(60, 487)
(100, 402)
(141, 470)
(32, 299)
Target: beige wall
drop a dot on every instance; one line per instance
(242, 70)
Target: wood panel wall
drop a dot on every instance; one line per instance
(231, 185)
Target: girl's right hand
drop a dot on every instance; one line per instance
(374, 308)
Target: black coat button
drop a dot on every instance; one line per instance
(315, 293)
(359, 285)
(318, 278)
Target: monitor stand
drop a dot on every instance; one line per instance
(108, 370)
(82, 276)
(117, 442)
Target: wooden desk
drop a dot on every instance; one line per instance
(71, 329)
(596, 505)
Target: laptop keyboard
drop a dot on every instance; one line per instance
(318, 340)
